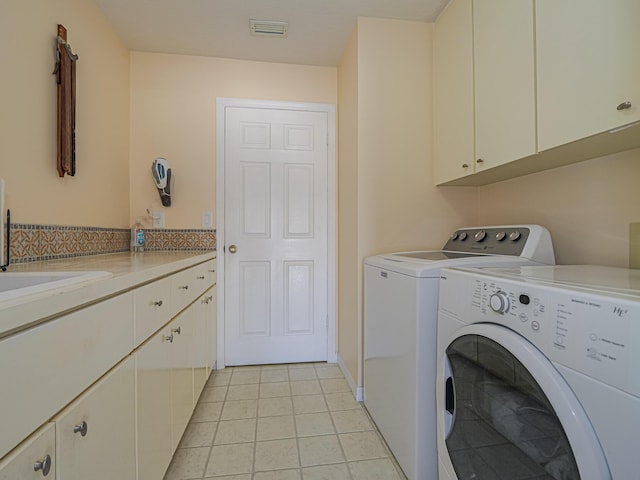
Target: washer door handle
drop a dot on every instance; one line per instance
(449, 398)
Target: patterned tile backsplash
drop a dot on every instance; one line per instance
(30, 243)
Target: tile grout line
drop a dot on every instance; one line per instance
(326, 388)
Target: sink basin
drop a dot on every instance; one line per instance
(17, 284)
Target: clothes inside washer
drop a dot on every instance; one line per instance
(504, 426)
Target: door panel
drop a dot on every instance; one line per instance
(276, 197)
(256, 199)
(255, 305)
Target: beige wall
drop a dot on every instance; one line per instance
(173, 100)
(348, 263)
(586, 206)
(99, 193)
(396, 207)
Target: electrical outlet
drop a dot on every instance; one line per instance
(207, 219)
(158, 219)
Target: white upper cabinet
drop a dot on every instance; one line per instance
(453, 92)
(484, 86)
(505, 103)
(588, 67)
(526, 85)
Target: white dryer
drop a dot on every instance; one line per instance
(538, 373)
(400, 316)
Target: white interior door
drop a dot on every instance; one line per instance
(275, 235)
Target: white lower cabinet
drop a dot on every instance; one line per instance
(33, 459)
(95, 434)
(153, 394)
(204, 340)
(165, 394)
(98, 395)
(181, 374)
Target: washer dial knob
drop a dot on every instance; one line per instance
(499, 302)
(514, 236)
(480, 236)
(500, 236)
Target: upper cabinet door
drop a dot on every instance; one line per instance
(453, 93)
(504, 66)
(588, 68)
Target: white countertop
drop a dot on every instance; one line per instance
(127, 270)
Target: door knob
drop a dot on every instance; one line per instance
(233, 249)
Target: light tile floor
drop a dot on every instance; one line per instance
(281, 422)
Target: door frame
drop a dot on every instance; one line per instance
(222, 104)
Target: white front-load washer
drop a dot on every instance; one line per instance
(537, 373)
(400, 316)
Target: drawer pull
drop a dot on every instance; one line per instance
(212, 271)
(167, 338)
(183, 287)
(624, 106)
(157, 303)
(43, 465)
(176, 330)
(81, 429)
(465, 165)
(201, 278)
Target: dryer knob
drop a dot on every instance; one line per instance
(480, 236)
(499, 302)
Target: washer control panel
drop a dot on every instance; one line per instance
(505, 240)
(597, 335)
(500, 303)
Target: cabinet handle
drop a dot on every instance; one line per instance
(464, 165)
(624, 105)
(183, 287)
(212, 271)
(207, 299)
(176, 330)
(157, 303)
(81, 429)
(43, 465)
(201, 278)
(479, 160)
(167, 338)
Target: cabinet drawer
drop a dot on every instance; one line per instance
(50, 364)
(205, 275)
(34, 459)
(183, 290)
(152, 307)
(95, 435)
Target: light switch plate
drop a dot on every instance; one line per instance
(634, 245)
(158, 219)
(207, 219)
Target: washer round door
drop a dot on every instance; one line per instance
(506, 413)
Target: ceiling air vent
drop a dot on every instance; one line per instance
(268, 28)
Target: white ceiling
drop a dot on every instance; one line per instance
(318, 29)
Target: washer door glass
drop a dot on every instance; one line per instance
(504, 426)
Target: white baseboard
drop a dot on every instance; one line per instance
(357, 391)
